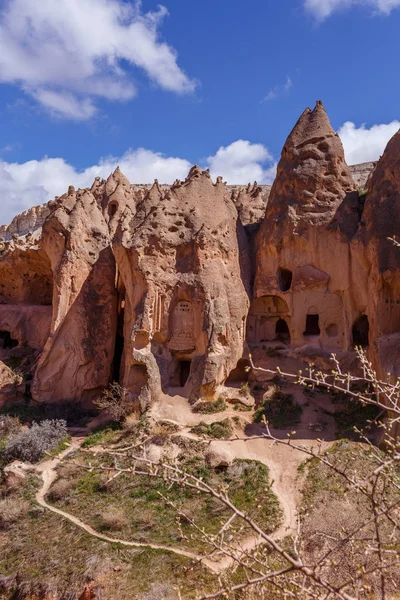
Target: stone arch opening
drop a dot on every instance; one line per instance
(360, 331)
(285, 277)
(6, 341)
(264, 314)
(282, 331)
(312, 325)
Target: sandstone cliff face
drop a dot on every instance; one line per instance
(151, 285)
(77, 360)
(380, 222)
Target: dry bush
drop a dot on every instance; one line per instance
(113, 519)
(29, 445)
(60, 489)
(11, 510)
(117, 401)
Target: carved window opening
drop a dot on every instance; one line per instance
(361, 332)
(282, 331)
(312, 326)
(6, 341)
(285, 277)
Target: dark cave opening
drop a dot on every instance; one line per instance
(184, 371)
(282, 331)
(6, 341)
(180, 374)
(312, 326)
(285, 277)
(112, 209)
(119, 342)
(360, 331)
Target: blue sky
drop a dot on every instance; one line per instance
(87, 84)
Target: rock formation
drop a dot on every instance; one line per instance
(158, 287)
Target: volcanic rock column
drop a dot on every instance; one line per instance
(305, 291)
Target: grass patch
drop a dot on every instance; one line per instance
(103, 435)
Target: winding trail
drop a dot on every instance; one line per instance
(48, 472)
(282, 461)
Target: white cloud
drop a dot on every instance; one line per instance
(364, 145)
(67, 53)
(34, 182)
(241, 162)
(278, 90)
(321, 9)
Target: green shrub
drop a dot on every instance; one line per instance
(280, 410)
(218, 430)
(206, 407)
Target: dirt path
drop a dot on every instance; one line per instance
(48, 472)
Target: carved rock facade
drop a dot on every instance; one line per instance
(166, 288)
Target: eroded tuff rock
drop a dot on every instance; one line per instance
(183, 264)
(152, 285)
(375, 248)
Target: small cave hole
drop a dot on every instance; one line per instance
(284, 279)
(282, 331)
(332, 330)
(360, 332)
(112, 209)
(312, 326)
(6, 341)
(240, 373)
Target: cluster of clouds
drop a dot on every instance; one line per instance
(34, 182)
(322, 9)
(68, 54)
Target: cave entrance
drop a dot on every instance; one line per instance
(312, 325)
(285, 277)
(282, 331)
(181, 373)
(6, 341)
(112, 209)
(360, 332)
(119, 337)
(240, 373)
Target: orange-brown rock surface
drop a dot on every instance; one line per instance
(160, 288)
